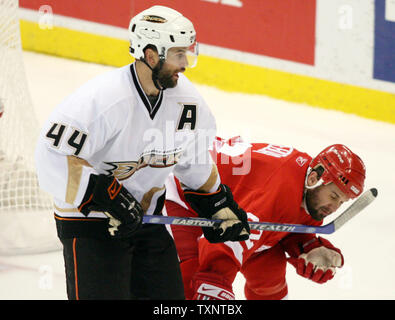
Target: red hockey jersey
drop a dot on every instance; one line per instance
(267, 181)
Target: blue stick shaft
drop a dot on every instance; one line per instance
(261, 226)
(362, 202)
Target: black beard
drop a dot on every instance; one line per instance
(309, 200)
(163, 77)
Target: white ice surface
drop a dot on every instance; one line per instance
(367, 242)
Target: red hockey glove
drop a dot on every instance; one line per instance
(220, 205)
(319, 260)
(209, 286)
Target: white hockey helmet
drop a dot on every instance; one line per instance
(164, 28)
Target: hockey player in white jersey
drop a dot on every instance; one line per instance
(105, 153)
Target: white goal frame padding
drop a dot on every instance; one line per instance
(27, 232)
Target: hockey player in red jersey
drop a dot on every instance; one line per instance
(273, 184)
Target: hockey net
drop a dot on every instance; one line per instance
(26, 212)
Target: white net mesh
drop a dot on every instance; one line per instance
(26, 212)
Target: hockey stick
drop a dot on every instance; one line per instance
(361, 203)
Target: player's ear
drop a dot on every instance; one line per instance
(151, 56)
(312, 179)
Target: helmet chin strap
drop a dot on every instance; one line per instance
(306, 186)
(317, 184)
(155, 73)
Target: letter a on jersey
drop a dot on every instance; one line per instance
(188, 117)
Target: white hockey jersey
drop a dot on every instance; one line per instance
(108, 126)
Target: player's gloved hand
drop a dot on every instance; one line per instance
(319, 260)
(220, 205)
(109, 196)
(208, 286)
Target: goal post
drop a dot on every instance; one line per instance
(26, 212)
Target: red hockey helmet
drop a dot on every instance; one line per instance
(342, 167)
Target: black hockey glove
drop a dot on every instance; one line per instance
(220, 205)
(109, 196)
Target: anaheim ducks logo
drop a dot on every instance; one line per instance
(125, 169)
(152, 18)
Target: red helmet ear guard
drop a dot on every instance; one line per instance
(342, 167)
